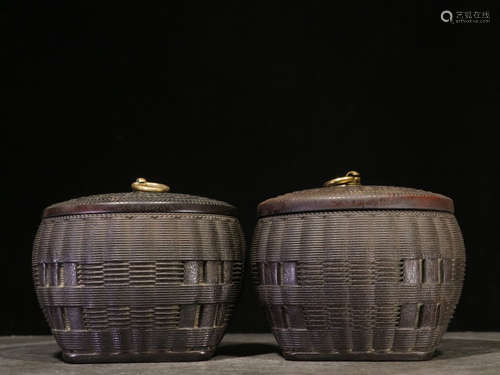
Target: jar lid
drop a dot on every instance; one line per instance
(145, 197)
(347, 193)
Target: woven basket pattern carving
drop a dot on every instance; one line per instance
(138, 286)
(142, 197)
(367, 285)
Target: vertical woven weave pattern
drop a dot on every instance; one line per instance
(374, 285)
(119, 287)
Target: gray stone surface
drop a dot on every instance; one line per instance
(460, 353)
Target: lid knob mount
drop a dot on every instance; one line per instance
(351, 178)
(141, 184)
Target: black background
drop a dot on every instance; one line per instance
(241, 101)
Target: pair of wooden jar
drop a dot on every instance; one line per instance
(345, 272)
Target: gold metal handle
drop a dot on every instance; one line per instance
(351, 178)
(142, 185)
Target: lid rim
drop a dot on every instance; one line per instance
(353, 209)
(139, 201)
(325, 200)
(143, 207)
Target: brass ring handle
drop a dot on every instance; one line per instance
(141, 184)
(351, 178)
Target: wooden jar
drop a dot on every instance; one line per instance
(351, 272)
(142, 276)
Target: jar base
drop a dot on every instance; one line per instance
(137, 357)
(359, 356)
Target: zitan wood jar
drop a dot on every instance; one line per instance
(351, 272)
(140, 276)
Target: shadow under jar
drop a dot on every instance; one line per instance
(351, 272)
(140, 276)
